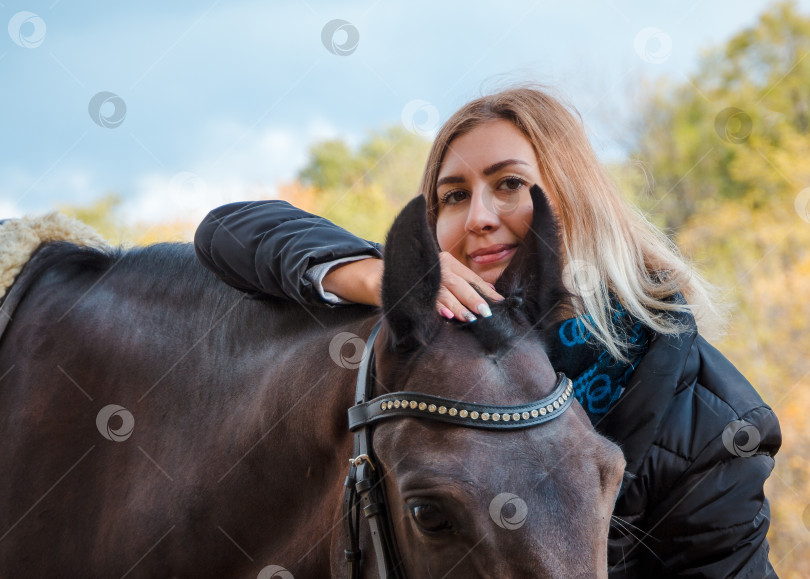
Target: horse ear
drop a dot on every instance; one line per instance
(535, 272)
(411, 278)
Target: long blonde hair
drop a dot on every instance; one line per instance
(628, 256)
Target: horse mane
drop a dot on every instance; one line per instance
(168, 269)
(169, 259)
(174, 261)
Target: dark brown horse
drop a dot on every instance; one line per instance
(156, 423)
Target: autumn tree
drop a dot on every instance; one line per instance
(364, 189)
(728, 153)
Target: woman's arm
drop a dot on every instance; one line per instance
(707, 514)
(273, 248)
(268, 247)
(359, 281)
(714, 522)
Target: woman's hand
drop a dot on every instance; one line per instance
(459, 295)
(461, 291)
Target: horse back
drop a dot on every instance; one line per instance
(146, 405)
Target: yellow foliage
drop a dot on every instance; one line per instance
(102, 215)
(365, 210)
(175, 230)
(302, 196)
(761, 255)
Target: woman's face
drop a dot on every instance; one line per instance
(485, 208)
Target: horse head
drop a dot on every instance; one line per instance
(476, 502)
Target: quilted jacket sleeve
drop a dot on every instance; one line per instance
(714, 522)
(710, 516)
(267, 247)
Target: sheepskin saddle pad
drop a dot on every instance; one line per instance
(20, 238)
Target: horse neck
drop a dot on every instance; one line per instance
(306, 375)
(293, 425)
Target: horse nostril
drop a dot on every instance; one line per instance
(607, 476)
(611, 469)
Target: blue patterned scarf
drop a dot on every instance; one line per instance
(599, 379)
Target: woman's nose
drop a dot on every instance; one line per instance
(482, 215)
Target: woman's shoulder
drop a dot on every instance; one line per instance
(691, 411)
(722, 380)
(713, 416)
(714, 402)
(699, 487)
(682, 396)
(716, 390)
(725, 406)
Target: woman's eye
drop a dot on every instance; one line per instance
(452, 197)
(509, 184)
(430, 518)
(513, 183)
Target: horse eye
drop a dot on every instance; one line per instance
(430, 518)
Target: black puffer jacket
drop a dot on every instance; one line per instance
(698, 440)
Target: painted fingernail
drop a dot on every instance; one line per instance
(447, 313)
(469, 317)
(492, 286)
(484, 310)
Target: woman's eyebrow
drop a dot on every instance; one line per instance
(501, 164)
(488, 171)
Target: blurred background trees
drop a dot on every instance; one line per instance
(730, 154)
(361, 190)
(720, 161)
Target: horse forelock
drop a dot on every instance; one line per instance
(500, 360)
(496, 334)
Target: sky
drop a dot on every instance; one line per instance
(181, 107)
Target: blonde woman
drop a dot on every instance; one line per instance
(698, 440)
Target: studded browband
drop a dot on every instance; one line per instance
(364, 490)
(464, 413)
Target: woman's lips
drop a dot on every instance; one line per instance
(493, 257)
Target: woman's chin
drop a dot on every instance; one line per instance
(491, 275)
(489, 272)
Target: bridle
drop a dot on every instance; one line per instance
(364, 488)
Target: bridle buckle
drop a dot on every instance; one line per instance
(360, 459)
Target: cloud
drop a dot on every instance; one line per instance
(186, 196)
(240, 164)
(24, 192)
(10, 210)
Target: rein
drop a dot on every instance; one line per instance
(364, 488)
